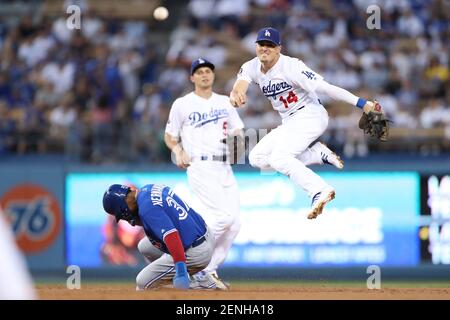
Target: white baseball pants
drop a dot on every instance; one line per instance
(214, 184)
(285, 149)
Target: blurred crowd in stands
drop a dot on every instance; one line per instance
(102, 94)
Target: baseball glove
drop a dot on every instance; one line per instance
(375, 123)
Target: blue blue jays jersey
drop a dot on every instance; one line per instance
(161, 212)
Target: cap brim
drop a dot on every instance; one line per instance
(209, 65)
(268, 40)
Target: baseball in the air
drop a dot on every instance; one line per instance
(161, 13)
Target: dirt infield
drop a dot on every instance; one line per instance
(250, 291)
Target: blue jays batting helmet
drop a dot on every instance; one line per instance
(114, 202)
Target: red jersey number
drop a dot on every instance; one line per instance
(225, 127)
(289, 99)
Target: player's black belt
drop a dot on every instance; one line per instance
(199, 241)
(214, 158)
(290, 114)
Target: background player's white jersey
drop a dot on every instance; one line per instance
(203, 123)
(289, 84)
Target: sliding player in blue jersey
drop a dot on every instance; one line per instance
(177, 243)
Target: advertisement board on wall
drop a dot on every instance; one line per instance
(32, 201)
(373, 220)
(434, 229)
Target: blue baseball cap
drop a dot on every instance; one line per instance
(269, 34)
(200, 62)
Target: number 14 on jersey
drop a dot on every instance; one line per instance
(291, 97)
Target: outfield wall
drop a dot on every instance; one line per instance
(386, 214)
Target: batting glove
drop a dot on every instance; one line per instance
(181, 279)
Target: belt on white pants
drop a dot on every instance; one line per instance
(222, 158)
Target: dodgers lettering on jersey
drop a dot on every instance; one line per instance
(203, 123)
(198, 119)
(161, 212)
(289, 84)
(273, 89)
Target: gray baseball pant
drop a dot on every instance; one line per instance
(161, 269)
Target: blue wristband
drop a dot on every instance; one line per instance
(181, 279)
(361, 103)
(180, 268)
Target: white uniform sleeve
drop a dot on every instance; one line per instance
(303, 76)
(175, 122)
(246, 72)
(235, 121)
(336, 93)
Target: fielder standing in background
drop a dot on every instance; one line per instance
(199, 126)
(177, 242)
(292, 89)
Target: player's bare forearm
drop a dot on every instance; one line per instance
(238, 96)
(171, 142)
(182, 159)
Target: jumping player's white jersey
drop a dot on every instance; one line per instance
(289, 84)
(203, 123)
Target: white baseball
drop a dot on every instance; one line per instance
(161, 13)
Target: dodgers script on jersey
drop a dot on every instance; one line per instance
(162, 212)
(289, 84)
(203, 123)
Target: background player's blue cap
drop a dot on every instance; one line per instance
(200, 62)
(269, 34)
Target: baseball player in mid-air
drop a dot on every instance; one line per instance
(199, 126)
(178, 242)
(293, 90)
